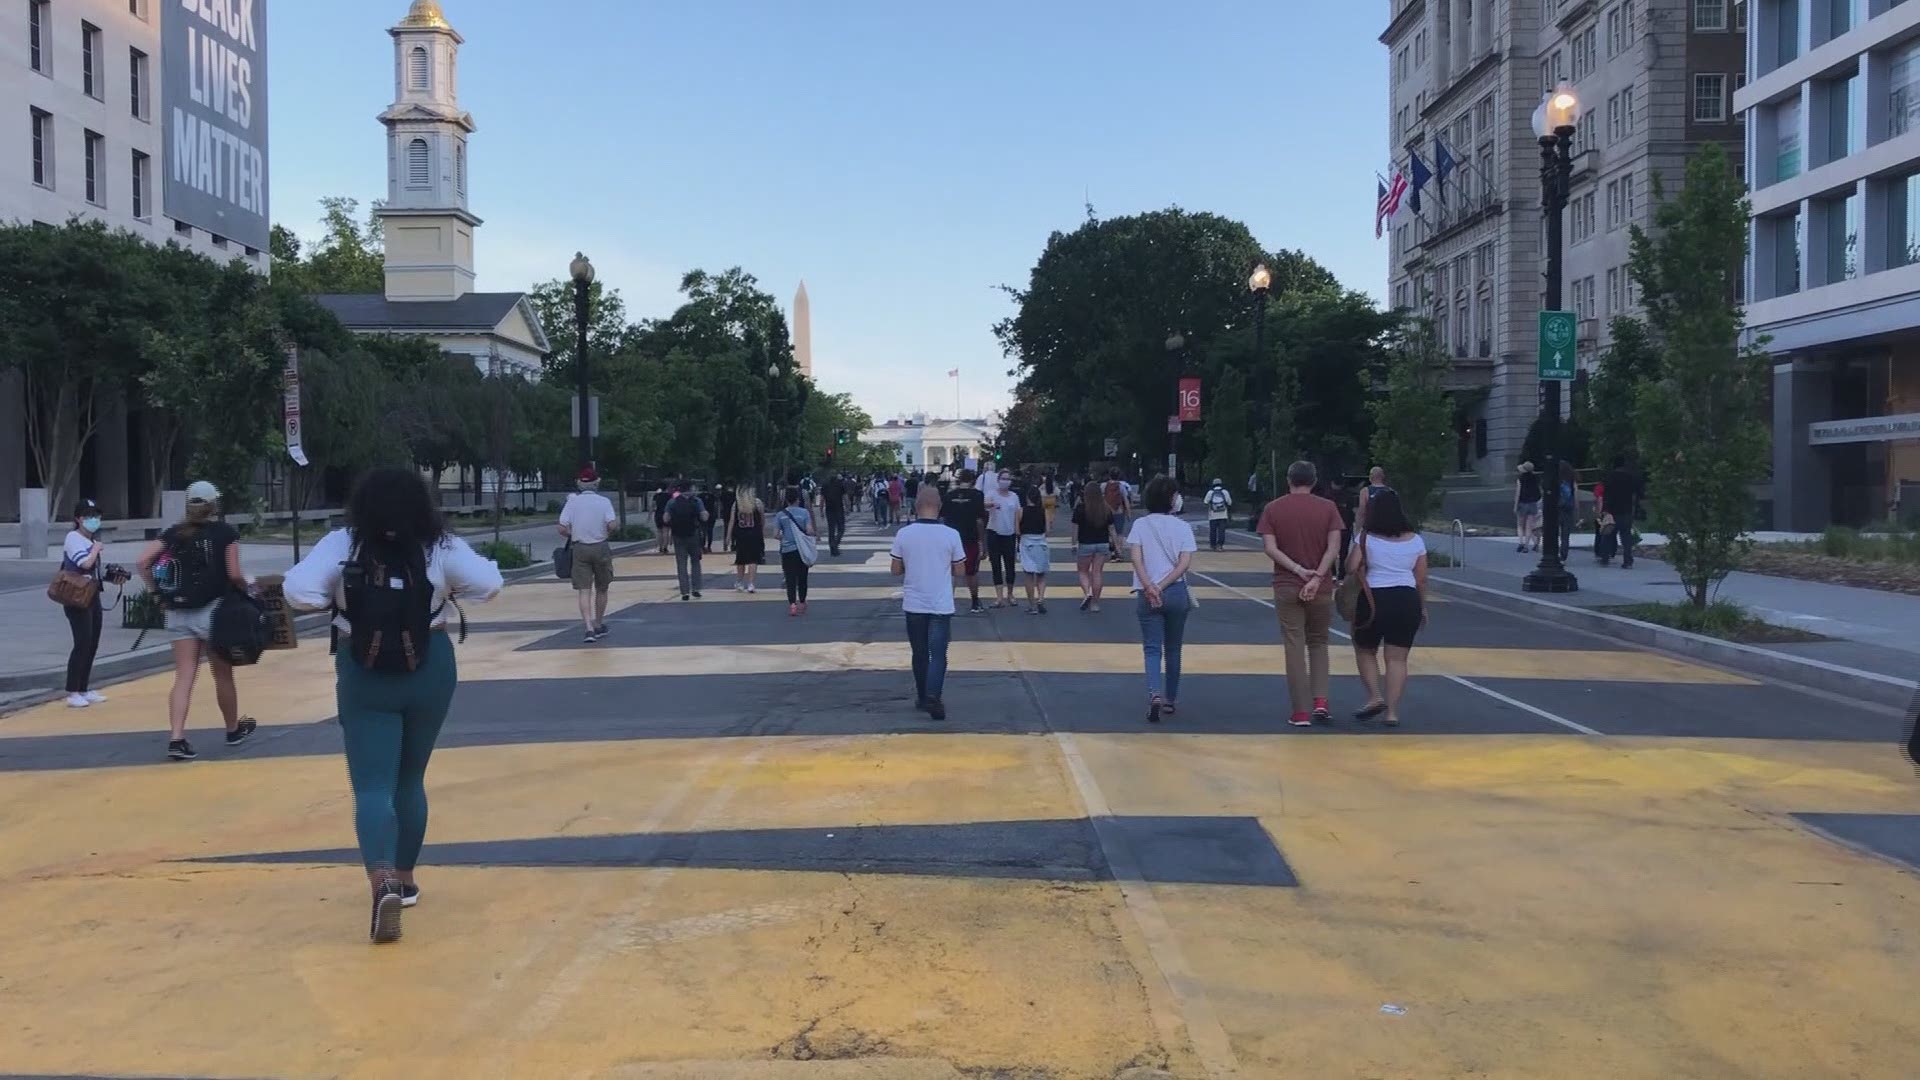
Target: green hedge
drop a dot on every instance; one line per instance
(508, 556)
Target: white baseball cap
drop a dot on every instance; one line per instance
(202, 491)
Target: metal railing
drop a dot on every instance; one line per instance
(1457, 543)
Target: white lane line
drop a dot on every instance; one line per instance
(1469, 684)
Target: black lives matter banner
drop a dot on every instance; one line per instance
(213, 114)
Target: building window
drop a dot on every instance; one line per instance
(1709, 14)
(1903, 221)
(1583, 218)
(1613, 119)
(1786, 119)
(1616, 210)
(1626, 112)
(1583, 298)
(1626, 198)
(1903, 94)
(90, 79)
(96, 176)
(1400, 67)
(137, 9)
(1616, 35)
(1582, 59)
(1841, 249)
(460, 168)
(418, 69)
(1485, 323)
(1615, 298)
(181, 228)
(137, 82)
(419, 164)
(42, 125)
(39, 47)
(1709, 99)
(219, 241)
(1845, 127)
(1739, 81)
(139, 179)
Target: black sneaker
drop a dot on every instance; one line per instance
(409, 895)
(601, 630)
(696, 594)
(243, 732)
(387, 902)
(937, 710)
(592, 636)
(686, 596)
(181, 750)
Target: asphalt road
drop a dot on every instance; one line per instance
(722, 841)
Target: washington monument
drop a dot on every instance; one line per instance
(803, 331)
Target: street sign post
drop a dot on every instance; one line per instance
(1173, 425)
(1556, 345)
(1112, 448)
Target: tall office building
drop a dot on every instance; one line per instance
(1655, 78)
(1832, 108)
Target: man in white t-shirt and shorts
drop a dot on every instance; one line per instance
(928, 556)
(587, 521)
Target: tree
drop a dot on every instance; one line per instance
(1229, 451)
(553, 303)
(1412, 422)
(1612, 394)
(1698, 416)
(350, 257)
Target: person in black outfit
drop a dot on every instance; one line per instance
(1623, 501)
(82, 553)
(834, 493)
(964, 509)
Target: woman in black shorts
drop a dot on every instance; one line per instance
(1392, 608)
(747, 528)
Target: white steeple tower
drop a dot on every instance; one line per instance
(429, 231)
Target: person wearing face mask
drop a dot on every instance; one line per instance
(82, 553)
(1003, 537)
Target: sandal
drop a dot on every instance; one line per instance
(1372, 710)
(1169, 708)
(1154, 708)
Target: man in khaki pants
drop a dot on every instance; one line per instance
(1302, 534)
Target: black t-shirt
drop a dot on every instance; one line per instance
(836, 495)
(1033, 520)
(964, 509)
(1084, 533)
(212, 539)
(683, 514)
(1623, 489)
(1529, 487)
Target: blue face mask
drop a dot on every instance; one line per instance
(91, 524)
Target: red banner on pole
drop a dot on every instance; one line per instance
(1189, 400)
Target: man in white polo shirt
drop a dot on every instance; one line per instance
(586, 521)
(928, 556)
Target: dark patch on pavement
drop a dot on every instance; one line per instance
(1697, 710)
(1169, 850)
(1890, 836)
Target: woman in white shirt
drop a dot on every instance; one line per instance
(81, 553)
(1392, 608)
(1161, 547)
(390, 577)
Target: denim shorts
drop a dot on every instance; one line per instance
(1088, 550)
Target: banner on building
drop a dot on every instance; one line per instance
(290, 379)
(1864, 429)
(213, 117)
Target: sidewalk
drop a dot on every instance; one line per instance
(1871, 630)
(35, 632)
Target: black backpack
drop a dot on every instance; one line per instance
(683, 514)
(240, 631)
(388, 602)
(185, 575)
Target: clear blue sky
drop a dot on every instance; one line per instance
(902, 157)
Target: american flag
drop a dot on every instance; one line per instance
(1389, 205)
(954, 374)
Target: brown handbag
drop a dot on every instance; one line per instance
(73, 588)
(1346, 599)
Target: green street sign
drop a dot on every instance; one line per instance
(1556, 344)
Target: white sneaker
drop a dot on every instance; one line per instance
(94, 697)
(77, 701)
(752, 589)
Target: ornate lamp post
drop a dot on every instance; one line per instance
(582, 273)
(1258, 283)
(1553, 122)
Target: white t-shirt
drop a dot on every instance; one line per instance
(1003, 512)
(76, 548)
(1161, 538)
(1218, 495)
(589, 517)
(1390, 562)
(455, 569)
(928, 549)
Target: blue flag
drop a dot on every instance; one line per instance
(1418, 170)
(1443, 165)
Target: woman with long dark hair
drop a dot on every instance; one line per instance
(791, 522)
(1162, 548)
(1392, 608)
(1093, 538)
(391, 577)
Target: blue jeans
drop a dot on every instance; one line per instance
(927, 636)
(1162, 630)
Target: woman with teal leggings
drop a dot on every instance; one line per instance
(395, 569)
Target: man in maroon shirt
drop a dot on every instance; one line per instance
(1302, 534)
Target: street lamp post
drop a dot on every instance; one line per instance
(1176, 344)
(582, 272)
(1258, 283)
(1553, 123)
(774, 384)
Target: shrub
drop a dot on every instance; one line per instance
(508, 556)
(628, 534)
(1839, 541)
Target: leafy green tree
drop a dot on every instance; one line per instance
(553, 303)
(350, 256)
(1229, 450)
(1698, 416)
(1413, 422)
(1612, 395)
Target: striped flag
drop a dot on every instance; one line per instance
(1389, 204)
(954, 374)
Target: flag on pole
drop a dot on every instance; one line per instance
(1421, 174)
(1389, 204)
(954, 374)
(1443, 166)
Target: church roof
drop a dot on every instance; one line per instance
(373, 311)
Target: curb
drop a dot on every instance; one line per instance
(1800, 671)
(160, 656)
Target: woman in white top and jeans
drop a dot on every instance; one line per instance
(1161, 547)
(1392, 608)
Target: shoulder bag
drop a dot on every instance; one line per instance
(72, 588)
(803, 544)
(563, 561)
(1346, 599)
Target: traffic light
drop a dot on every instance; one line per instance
(841, 436)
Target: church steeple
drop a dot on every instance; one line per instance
(429, 230)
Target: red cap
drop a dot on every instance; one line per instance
(588, 476)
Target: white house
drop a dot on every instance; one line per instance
(931, 443)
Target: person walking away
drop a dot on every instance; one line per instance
(1003, 537)
(194, 564)
(964, 510)
(1569, 507)
(1120, 502)
(835, 495)
(896, 498)
(686, 520)
(586, 522)
(1301, 532)
(1050, 496)
(81, 554)
(1623, 502)
(1392, 608)
(1526, 506)
(710, 502)
(723, 515)
(1219, 506)
(660, 500)
(793, 521)
(928, 555)
(749, 527)
(1254, 505)
(390, 577)
(1093, 538)
(1035, 553)
(1162, 548)
(1376, 483)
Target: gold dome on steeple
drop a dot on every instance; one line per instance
(426, 13)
